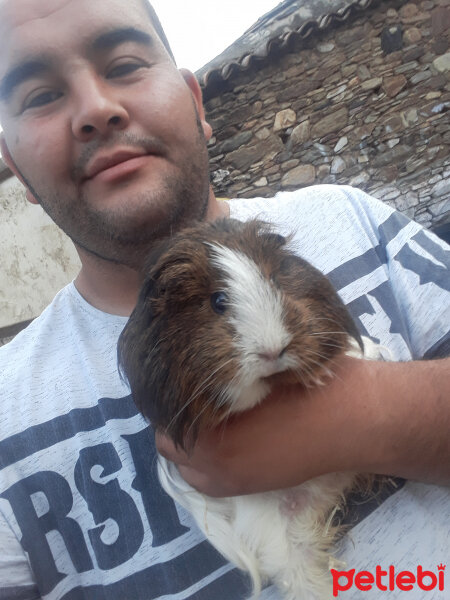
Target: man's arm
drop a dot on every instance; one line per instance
(373, 417)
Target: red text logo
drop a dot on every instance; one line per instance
(388, 580)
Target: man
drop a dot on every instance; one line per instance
(109, 138)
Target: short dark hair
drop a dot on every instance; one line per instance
(158, 27)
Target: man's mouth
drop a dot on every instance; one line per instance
(115, 165)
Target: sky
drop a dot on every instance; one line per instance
(199, 30)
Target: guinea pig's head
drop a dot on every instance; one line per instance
(225, 311)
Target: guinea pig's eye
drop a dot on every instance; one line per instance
(219, 302)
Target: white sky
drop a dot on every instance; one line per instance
(199, 30)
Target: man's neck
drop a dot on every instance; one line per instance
(113, 288)
(109, 287)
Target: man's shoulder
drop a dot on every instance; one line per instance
(54, 314)
(326, 193)
(67, 327)
(311, 203)
(60, 361)
(26, 362)
(341, 221)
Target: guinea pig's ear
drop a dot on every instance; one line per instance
(175, 270)
(276, 239)
(272, 239)
(265, 230)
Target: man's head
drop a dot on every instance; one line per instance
(107, 135)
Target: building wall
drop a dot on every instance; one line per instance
(344, 108)
(37, 259)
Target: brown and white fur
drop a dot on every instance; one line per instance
(225, 313)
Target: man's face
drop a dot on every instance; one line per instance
(99, 122)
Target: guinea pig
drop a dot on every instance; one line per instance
(226, 312)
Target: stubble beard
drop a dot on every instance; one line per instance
(181, 199)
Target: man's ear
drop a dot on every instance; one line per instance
(12, 165)
(194, 86)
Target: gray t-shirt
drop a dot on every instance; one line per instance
(82, 514)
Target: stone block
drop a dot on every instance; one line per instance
(219, 176)
(419, 77)
(441, 208)
(393, 124)
(442, 63)
(261, 182)
(440, 20)
(245, 156)
(392, 195)
(412, 36)
(325, 47)
(290, 164)
(413, 54)
(407, 66)
(263, 134)
(343, 141)
(441, 45)
(284, 119)
(387, 174)
(394, 85)
(364, 131)
(301, 175)
(433, 95)
(336, 91)
(407, 201)
(257, 106)
(348, 36)
(363, 73)
(235, 142)
(263, 192)
(323, 171)
(298, 89)
(359, 179)
(392, 143)
(348, 70)
(338, 165)
(301, 133)
(408, 10)
(438, 82)
(396, 155)
(330, 123)
(442, 188)
(371, 84)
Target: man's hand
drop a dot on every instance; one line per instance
(372, 417)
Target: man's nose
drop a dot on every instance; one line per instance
(98, 109)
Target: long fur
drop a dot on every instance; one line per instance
(285, 536)
(189, 366)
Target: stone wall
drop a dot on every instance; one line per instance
(365, 103)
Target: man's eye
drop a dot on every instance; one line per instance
(123, 69)
(41, 99)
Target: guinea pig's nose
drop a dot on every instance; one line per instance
(271, 355)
